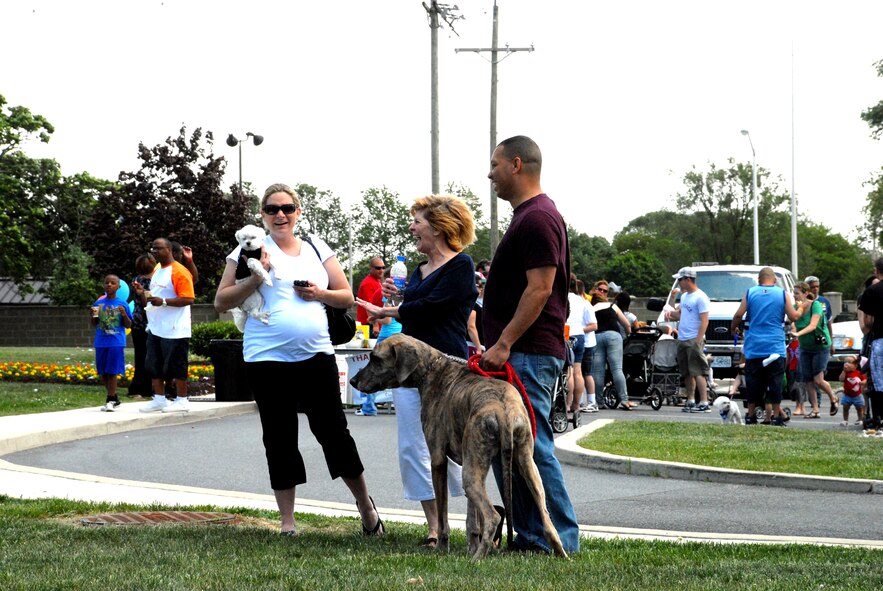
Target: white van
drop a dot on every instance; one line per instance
(725, 285)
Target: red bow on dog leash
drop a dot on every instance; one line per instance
(510, 376)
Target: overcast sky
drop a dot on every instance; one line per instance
(622, 97)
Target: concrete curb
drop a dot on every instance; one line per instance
(21, 432)
(569, 452)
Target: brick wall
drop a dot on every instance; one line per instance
(63, 326)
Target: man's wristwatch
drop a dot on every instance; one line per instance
(164, 303)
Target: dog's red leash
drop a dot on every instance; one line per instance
(510, 376)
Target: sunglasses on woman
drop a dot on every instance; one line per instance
(287, 209)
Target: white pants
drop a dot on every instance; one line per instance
(414, 461)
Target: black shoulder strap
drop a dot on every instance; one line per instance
(306, 239)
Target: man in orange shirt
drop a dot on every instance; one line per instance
(168, 329)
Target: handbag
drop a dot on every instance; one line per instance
(341, 326)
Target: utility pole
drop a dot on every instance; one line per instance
(494, 51)
(433, 11)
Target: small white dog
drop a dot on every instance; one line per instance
(729, 410)
(250, 239)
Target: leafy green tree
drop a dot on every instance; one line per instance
(873, 115)
(26, 185)
(323, 215)
(640, 273)
(722, 210)
(381, 227)
(175, 194)
(669, 235)
(18, 125)
(590, 256)
(873, 210)
(72, 284)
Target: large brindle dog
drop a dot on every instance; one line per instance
(470, 419)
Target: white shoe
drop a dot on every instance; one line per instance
(110, 406)
(592, 408)
(179, 404)
(156, 404)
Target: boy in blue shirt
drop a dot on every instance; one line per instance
(111, 317)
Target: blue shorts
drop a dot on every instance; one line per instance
(812, 363)
(579, 347)
(856, 401)
(110, 361)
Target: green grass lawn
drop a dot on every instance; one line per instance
(768, 449)
(43, 546)
(17, 398)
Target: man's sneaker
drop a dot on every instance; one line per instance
(592, 408)
(750, 420)
(110, 406)
(688, 406)
(156, 404)
(701, 408)
(777, 422)
(179, 404)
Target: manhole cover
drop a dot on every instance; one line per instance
(157, 517)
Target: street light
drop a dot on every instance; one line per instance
(232, 141)
(754, 196)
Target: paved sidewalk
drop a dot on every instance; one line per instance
(28, 431)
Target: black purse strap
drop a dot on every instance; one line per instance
(306, 239)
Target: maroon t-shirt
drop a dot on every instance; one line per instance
(537, 237)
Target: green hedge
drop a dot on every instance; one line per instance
(205, 332)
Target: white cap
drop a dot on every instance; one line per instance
(685, 272)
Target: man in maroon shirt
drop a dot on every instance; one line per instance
(369, 285)
(525, 307)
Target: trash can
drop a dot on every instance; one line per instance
(230, 382)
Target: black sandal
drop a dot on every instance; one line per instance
(378, 529)
(428, 542)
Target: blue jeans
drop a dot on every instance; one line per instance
(538, 373)
(608, 350)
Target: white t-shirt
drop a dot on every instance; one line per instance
(590, 336)
(692, 305)
(581, 314)
(170, 322)
(298, 329)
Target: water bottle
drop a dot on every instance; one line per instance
(399, 273)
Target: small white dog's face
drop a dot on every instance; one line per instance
(728, 409)
(250, 237)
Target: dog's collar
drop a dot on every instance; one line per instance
(444, 356)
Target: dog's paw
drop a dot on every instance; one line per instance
(256, 268)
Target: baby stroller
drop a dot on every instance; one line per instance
(665, 375)
(558, 416)
(636, 352)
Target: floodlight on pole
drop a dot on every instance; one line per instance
(232, 141)
(754, 196)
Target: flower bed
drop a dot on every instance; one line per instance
(80, 373)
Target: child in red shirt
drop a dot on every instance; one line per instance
(853, 381)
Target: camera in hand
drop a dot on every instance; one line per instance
(301, 283)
